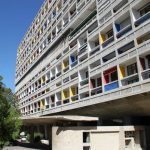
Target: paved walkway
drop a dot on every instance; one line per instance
(17, 148)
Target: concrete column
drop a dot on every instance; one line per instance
(121, 139)
(49, 131)
(45, 132)
(32, 134)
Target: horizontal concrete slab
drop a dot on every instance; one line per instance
(55, 119)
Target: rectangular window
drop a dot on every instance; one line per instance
(86, 137)
(132, 69)
(86, 74)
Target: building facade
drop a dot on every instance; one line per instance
(86, 57)
(83, 50)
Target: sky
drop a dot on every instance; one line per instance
(15, 18)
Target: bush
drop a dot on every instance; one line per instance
(38, 137)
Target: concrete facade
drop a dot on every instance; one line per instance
(77, 54)
(104, 138)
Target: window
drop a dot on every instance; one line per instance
(86, 137)
(99, 82)
(145, 9)
(131, 69)
(86, 74)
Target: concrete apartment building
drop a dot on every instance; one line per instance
(88, 58)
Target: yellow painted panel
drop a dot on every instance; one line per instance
(42, 79)
(122, 72)
(65, 64)
(72, 91)
(42, 104)
(102, 38)
(64, 95)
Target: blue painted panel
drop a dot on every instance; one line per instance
(111, 86)
(117, 27)
(72, 59)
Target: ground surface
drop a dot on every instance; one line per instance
(17, 148)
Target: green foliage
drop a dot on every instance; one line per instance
(10, 123)
(37, 137)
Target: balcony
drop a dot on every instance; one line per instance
(124, 31)
(58, 74)
(48, 80)
(120, 5)
(74, 98)
(58, 103)
(142, 19)
(146, 74)
(82, 48)
(111, 86)
(66, 69)
(52, 105)
(74, 63)
(83, 24)
(65, 101)
(65, 23)
(84, 82)
(108, 41)
(96, 90)
(126, 47)
(52, 78)
(73, 15)
(94, 50)
(130, 79)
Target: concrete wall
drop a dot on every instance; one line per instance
(101, 138)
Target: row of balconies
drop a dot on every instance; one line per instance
(51, 37)
(125, 74)
(98, 46)
(73, 60)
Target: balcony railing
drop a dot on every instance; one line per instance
(84, 82)
(47, 106)
(52, 78)
(58, 74)
(94, 50)
(124, 31)
(75, 98)
(65, 23)
(82, 48)
(52, 105)
(108, 41)
(58, 103)
(83, 24)
(66, 69)
(72, 16)
(130, 79)
(74, 63)
(96, 90)
(146, 74)
(47, 81)
(142, 19)
(65, 101)
(111, 86)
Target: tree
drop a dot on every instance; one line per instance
(10, 123)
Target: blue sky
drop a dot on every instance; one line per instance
(15, 18)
